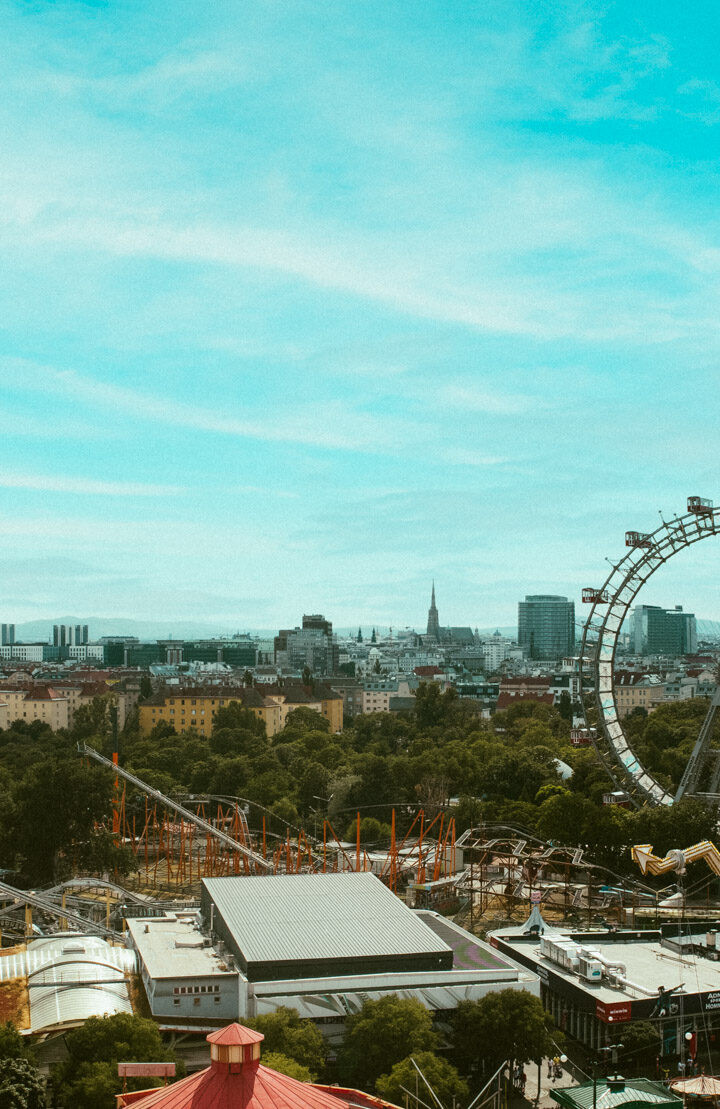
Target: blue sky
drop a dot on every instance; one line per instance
(306, 304)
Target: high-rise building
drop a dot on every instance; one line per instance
(311, 646)
(433, 621)
(662, 631)
(546, 626)
(7, 635)
(70, 635)
(318, 622)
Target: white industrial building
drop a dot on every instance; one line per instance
(320, 943)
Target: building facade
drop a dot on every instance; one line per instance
(546, 626)
(662, 631)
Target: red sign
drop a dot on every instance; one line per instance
(613, 1011)
(146, 1070)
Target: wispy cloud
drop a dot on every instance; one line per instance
(466, 456)
(53, 483)
(470, 398)
(330, 424)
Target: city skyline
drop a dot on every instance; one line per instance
(305, 307)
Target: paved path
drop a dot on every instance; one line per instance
(546, 1085)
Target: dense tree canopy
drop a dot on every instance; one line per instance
(505, 1024)
(289, 1036)
(381, 1035)
(504, 770)
(21, 1085)
(446, 1083)
(88, 1078)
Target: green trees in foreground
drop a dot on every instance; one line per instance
(455, 1055)
(288, 1037)
(381, 1034)
(21, 1086)
(446, 1083)
(88, 1078)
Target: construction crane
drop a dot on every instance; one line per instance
(260, 863)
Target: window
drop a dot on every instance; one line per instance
(217, 1000)
(176, 1001)
(196, 1001)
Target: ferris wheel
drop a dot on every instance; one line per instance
(610, 605)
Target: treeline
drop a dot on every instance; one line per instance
(53, 804)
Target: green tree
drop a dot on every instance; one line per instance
(286, 1034)
(92, 720)
(235, 716)
(303, 719)
(433, 707)
(146, 687)
(642, 1042)
(12, 1045)
(506, 1024)
(21, 1086)
(447, 1084)
(371, 830)
(380, 1035)
(285, 1065)
(565, 706)
(78, 796)
(87, 1079)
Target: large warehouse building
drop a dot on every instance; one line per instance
(320, 943)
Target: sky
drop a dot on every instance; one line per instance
(306, 304)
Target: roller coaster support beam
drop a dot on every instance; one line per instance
(36, 901)
(691, 778)
(261, 863)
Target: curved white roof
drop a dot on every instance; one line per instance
(71, 977)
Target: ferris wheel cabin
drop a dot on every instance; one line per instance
(637, 539)
(592, 596)
(700, 506)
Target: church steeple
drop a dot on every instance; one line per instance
(433, 623)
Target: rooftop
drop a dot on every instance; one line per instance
(289, 918)
(614, 1094)
(172, 947)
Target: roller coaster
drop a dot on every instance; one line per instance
(610, 604)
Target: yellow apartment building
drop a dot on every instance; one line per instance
(193, 709)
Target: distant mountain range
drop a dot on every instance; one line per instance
(146, 630)
(41, 630)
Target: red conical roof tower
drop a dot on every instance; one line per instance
(236, 1079)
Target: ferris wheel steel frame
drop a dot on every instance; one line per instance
(610, 606)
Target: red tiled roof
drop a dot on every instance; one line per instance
(505, 700)
(249, 1085)
(252, 1086)
(426, 671)
(43, 693)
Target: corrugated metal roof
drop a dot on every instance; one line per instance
(298, 917)
(635, 1091)
(71, 978)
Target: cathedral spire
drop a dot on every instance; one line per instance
(433, 623)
